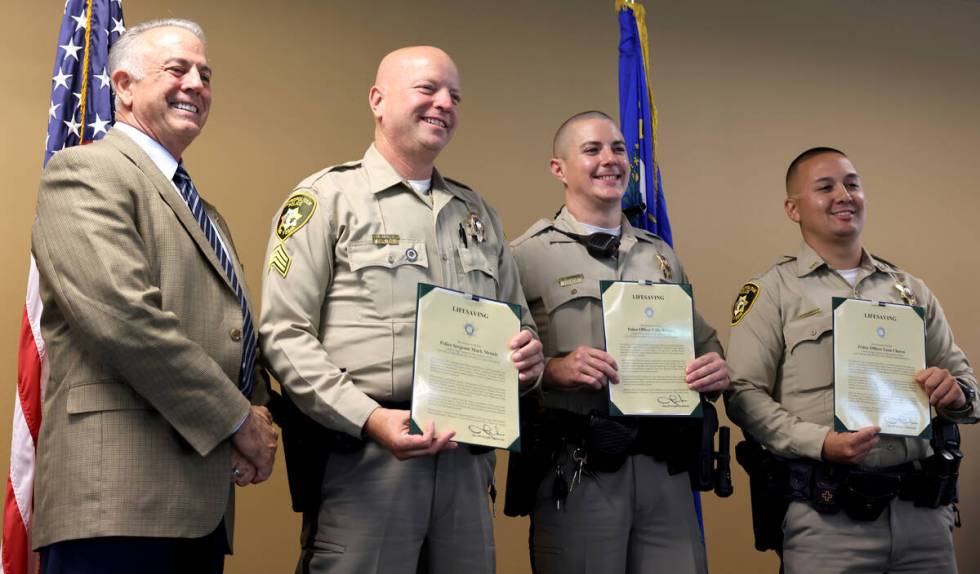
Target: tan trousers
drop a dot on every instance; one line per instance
(903, 539)
(377, 511)
(637, 519)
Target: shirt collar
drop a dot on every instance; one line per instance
(567, 222)
(382, 176)
(808, 261)
(158, 154)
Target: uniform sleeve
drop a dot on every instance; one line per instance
(942, 351)
(111, 302)
(292, 305)
(755, 355)
(509, 288)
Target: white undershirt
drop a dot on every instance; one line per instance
(850, 275)
(617, 231)
(423, 186)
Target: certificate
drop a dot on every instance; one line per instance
(878, 349)
(649, 330)
(464, 379)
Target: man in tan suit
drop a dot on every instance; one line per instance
(147, 418)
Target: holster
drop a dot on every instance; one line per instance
(526, 469)
(768, 477)
(306, 445)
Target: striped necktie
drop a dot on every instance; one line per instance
(189, 193)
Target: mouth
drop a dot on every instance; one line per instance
(610, 178)
(436, 122)
(185, 106)
(845, 214)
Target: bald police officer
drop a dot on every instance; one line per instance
(781, 364)
(347, 251)
(639, 516)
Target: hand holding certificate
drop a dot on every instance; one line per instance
(649, 331)
(464, 377)
(878, 349)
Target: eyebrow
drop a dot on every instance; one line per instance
(188, 63)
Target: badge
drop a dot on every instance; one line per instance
(571, 280)
(385, 239)
(474, 228)
(746, 297)
(280, 260)
(665, 269)
(295, 214)
(411, 255)
(905, 293)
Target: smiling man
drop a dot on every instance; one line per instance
(147, 419)
(844, 510)
(347, 252)
(636, 515)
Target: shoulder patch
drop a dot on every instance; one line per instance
(746, 297)
(296, 213)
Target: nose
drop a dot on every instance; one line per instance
(846, 195)
(192, 80)
(606, 155)
(443, 99)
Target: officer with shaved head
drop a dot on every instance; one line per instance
(593, 511)
(832, 501)
(348, 249)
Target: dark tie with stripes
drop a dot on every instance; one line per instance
(189, 193)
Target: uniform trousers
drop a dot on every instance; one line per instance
(376, 511)
(905, 538)
(637, 519)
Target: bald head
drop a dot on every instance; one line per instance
(563, 139)
(415, 101)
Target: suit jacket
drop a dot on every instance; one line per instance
(143, 332)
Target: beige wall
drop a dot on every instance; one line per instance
(741, 88)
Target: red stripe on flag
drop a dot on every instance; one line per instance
(15, 551)
(29, 376)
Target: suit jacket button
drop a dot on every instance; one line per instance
(235, 334)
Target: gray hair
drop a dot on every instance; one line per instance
(128, 51)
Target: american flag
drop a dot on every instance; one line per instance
(81, 111)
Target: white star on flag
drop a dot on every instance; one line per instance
(71, 50)
(78, 99)
(61, 79)
(98, 126)
(103, 78)
(73, 126)
(80, 22)
(117, 26)
(53, 110)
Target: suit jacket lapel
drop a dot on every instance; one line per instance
(166, 190)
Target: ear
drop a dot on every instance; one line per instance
(557, 167)
(376, 101)
(122, 84)
(790, 206)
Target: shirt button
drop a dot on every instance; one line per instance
(813, 332)
(445, 257)
(235, 334)
(391, 259)
(574, 291)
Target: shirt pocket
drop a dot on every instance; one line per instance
(809, 363)
(100, 396)
(478, 272)
(575, 316)
(390, 274)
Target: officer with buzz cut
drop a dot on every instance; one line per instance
(840, 501)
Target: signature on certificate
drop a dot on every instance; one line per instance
(486, 430)
(672, 400)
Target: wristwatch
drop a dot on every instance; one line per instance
(969, 392)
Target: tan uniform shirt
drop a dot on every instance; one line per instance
(338, 304)
(561, 283)
(780, 355)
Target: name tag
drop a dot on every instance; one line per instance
(384, 239)
(571, 280)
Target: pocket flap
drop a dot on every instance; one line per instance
(809, 329)
(557, 295)
(104, 396)
(363, 254)
(476, 260)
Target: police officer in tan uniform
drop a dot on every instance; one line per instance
(347, 251)
(781, 365)
(639, 517)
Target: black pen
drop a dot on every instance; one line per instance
(462, 236)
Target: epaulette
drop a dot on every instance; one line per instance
(345, 166)
(647, 234)
(454, 182)
(538, 227)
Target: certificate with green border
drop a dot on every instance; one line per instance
(649, 329)
(878, 349)
(463, 376)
